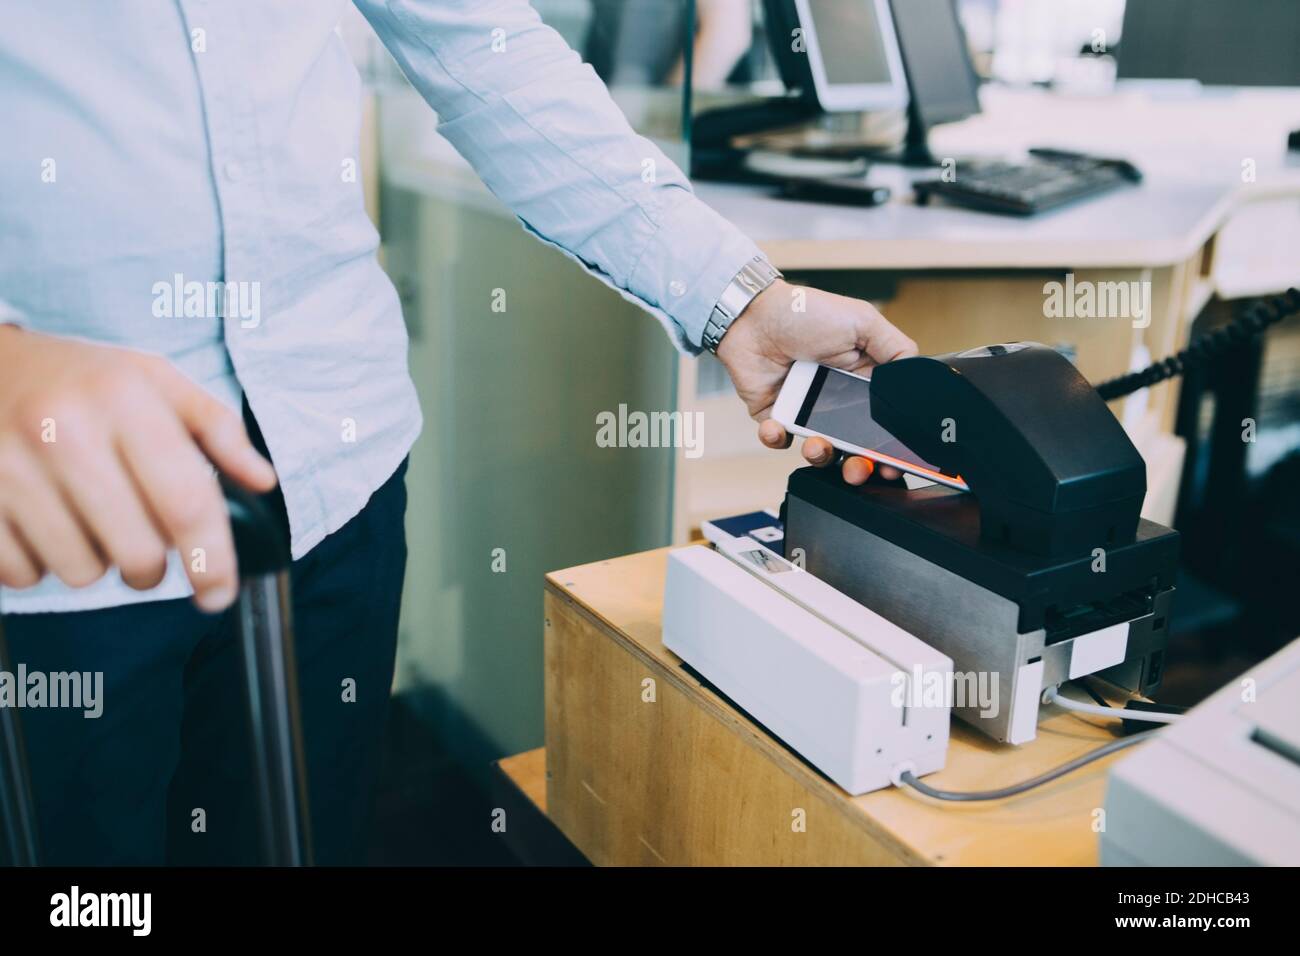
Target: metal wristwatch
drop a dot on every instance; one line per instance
(754, 276)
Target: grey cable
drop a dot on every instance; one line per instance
(1053, 696)
(969, 796)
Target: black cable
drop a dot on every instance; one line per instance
(1206, 347)
(970, 796)
(1101, 701)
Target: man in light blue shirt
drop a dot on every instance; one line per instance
(181, 237)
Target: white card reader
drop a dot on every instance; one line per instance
(853, 694)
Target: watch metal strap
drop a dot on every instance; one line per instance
(754, 276)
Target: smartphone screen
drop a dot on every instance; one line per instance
(838, 405)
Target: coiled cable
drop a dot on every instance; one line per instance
(1205, 347)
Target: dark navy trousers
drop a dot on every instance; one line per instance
(170, 751)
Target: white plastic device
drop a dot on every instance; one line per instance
(852, 693)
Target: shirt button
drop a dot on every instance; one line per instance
(234, 172)
(677, 287)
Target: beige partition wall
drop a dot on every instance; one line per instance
(515, 353)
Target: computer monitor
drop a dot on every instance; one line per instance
(1218, 42)
(841, 53)
(855, 55)
(940, 75)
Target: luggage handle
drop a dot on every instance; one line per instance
(265, 622)
(19, 845)
(264, 616)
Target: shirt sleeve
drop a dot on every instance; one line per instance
(543, 133)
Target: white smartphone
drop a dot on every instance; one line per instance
(824, 402)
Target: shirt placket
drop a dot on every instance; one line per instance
(222, 67)
(236, 164)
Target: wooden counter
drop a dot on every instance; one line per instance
(645, 765)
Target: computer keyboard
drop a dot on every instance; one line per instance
(1023, 189)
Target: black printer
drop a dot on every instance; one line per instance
(1042, 573)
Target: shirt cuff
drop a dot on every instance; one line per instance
(687, 265)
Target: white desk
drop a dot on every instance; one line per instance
(1136, 227)
(1191, 151)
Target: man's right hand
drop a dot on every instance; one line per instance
(104, 461)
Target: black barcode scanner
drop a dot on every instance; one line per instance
(1051, 468)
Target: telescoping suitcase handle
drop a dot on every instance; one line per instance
(271, 681)
(18, 844)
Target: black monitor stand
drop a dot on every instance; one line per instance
(914, 150)
(714, 157)
(713, 131)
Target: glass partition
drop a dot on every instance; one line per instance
(639, 48)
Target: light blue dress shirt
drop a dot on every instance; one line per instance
(156, 146)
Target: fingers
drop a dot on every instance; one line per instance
(818, 451)
(185, 501)
(102, 462)
(47, 528)
(109, 506)
(857, 470)
(771, 434)
(18, 568)
(217, 429)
